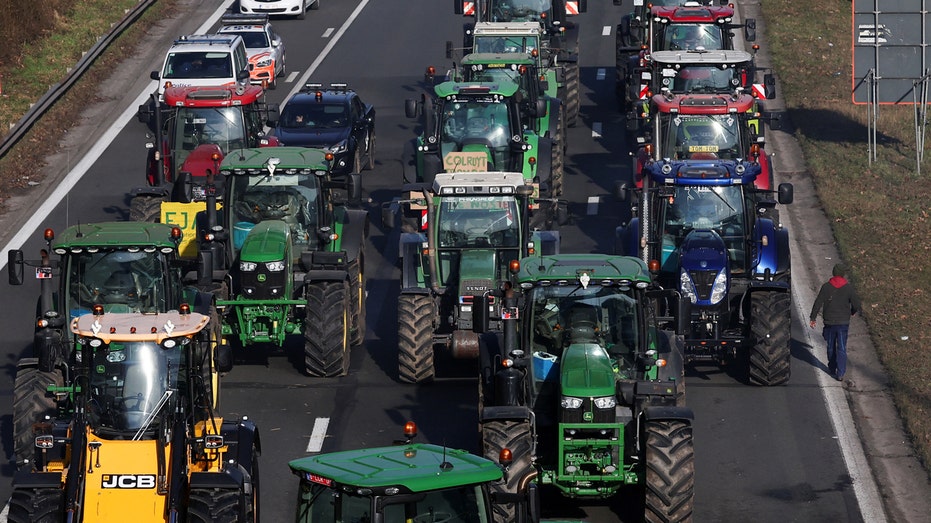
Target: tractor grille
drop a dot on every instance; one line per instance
(703, 281)
(262, 284)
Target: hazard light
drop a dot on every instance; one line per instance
(514, 266)
(410, 429)
(505, 457)
(49, 235)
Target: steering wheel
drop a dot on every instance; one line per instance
(124, 403)
(433, 517)
(250, 209)
(454, 238)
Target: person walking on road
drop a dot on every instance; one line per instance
(837, 301)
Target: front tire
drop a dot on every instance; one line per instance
(670, 471)
(357, 301)
(31, 403)
(214, 506)
(572, 96)
(415, 338)
(770, 325)
(145, 209)
(42, 505)
(516, 436)
(326, 329)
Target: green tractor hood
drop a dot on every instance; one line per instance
(585, 371)
(267, 241)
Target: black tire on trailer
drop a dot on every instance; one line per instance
(516, 436)
(771, 328)
(41, 505)
(357, 301)
(670, 471)
(208, 505)
(572, 98)
(326, 329)
(415, 338)
(31, 403)
(146, 209)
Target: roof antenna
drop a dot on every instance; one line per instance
(445, 465)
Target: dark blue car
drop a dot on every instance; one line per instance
(335, 119)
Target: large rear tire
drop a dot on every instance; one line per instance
(214, 505)
(357, 301)
(415, 338)
(326, 329)
(146, 209)
(572, 96)
(516, 436)
(558, 154)
(31, 403)
(771, 327)
(42, 505)
(670, 471)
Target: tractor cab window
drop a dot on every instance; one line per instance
(291, 198)
(702, 137)
(475, 221)
(121, 281)
(198, 65)
(704, 78)
(691, 37)
(520, 10)
(128, 381)
(504, 44)
(720, 209)
(477, 127)
(319, 504)
(221, 126)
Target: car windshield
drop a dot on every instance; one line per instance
(185, 65)
(315, 116)
(252, 39)
(221, 126)
(291, 198)
(121, 281)
(566, 315)
(319, 504)
(127, 381)
(689, 208)
(519, 10)
(478, 221)
(702, 137)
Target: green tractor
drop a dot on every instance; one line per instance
(481, 126)
(474, 225)
(287, 253)
(121, 267)
(410, 482)
(584, 386)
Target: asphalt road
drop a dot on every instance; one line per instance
(762, 454)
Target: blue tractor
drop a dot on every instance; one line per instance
(705, 229)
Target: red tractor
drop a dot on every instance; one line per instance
(193, 128)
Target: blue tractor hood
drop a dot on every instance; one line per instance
(703, 256)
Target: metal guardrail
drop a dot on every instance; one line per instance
(58, 90)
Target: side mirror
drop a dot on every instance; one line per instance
(683, 315)
(354, 188)
(480, 314)
(274, 114)
(14, 266)
(750, 30)
(244, 74)
(540, 108)
(786, 193)
(769, 85)
(154, 75)
(410, 108)
(620, 191)
(449, 49)
(387, 215)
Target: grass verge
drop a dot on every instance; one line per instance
(879, 213)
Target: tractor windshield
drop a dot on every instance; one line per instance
(477, 127)
(701, 79)
(320, 504)
(128, 380)
(478, 221)
(702, 137)
(604, 315)
(505, 44)
(121, 281)
(683, 36)
(720, 209)
(519, 10)
(291, 198)
(221, 126)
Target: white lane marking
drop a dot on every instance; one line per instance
(328, 32)
(600, 74)
(291, 76)
(596, 129)
(319, 433)
(593, 202)
(606, 30)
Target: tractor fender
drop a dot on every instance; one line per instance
(775, 254)
(355, 231)
(496, 413)
(25, 478)
(627, 238)
(668, 413)
(544, 153)
(242, 437)
(203, 302)
(314, 275)
(553, 128)
(158, 191)
(548, 242)
(411, 259)
(231, 479)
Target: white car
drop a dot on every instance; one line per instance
(212, 60)
(294, 8)
(265, 49)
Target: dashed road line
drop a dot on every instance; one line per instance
(606, 30)
(596, 129)
(317, 436)
(592, 208)
(328, 32)
(600, 74)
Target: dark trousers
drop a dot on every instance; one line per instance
(836, 338)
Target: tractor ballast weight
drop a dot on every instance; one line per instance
(583, 385)
(474, 225)
(287, 252)
(138, 434)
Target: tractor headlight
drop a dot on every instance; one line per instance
(275, 266)
(569, 402)
(686, 287)
(245, 266)
(719, 287)
(607, 402)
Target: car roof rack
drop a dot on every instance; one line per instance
(243, 19)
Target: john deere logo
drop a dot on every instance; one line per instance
(127, 481)
(587, 416)
(261, 277)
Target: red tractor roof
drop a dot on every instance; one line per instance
(703, 103)
(693, 13)
(210, 96)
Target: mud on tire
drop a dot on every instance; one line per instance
(31, 403)
(516, 436)
(326, 329)
(670, 471)
(770, 325)
(415, 338)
